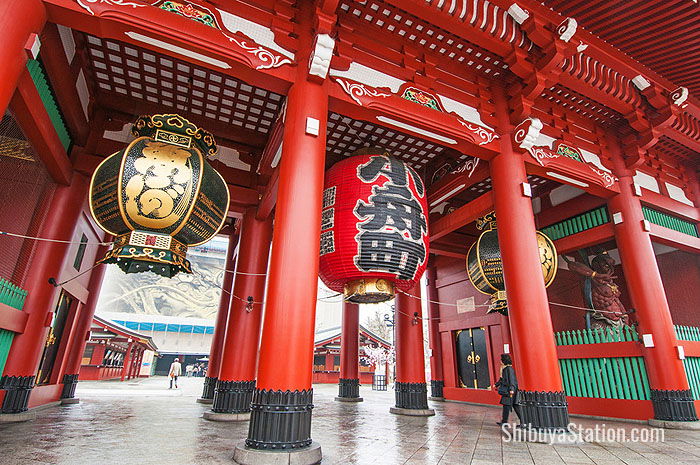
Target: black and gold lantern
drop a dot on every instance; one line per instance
(159, 195)
(485, 268)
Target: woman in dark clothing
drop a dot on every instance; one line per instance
(508, 389)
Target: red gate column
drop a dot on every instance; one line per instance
(126, 364)
(281, 407)
(217, 341)
(437, 380)
(670, 392)
(82, 329)
(18, 20)
(410, 388)
(20, 370)
(236, 383)
(349, 382)
(534, 353)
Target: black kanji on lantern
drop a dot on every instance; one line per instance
(391, 252)
(390, 235)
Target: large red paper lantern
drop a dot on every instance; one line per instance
(374, 229)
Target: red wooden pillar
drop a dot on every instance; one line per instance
(139, 362)
(98, 354)
(411, 391)
(292, 285)
(217, 341)
(20, 369)
(670, 392)
(236, 383)
(437, 379)
(82, 329)
(127, 360)
(349, 382)
(18, 20)
(534, 352)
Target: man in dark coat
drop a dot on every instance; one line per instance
(508, 389)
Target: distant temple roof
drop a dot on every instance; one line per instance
(120, 331)
(327, 335)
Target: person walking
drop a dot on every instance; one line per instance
(175, 371)
(508, 389)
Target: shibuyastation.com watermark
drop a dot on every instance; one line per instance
(579, 433)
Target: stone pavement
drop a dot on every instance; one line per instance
(144, 423)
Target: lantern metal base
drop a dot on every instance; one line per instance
(369, 291)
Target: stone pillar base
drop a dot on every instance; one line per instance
(412, 396)
(70, 401)
(673, 406)
(309, 455)
(544, 410)
(215, 416)
(349, 399)
(413, 412)
(202, 400)
(687, 425)
(280, 420)
(436, 387)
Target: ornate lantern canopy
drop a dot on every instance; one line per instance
(159, 195)
(485, 268)
(374, 230)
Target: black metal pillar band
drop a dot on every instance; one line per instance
(69, 384)
(411, 395)
(436, 388)
(348, 388)
(280, 420)
(209, 387)
(233, 396)
(673, 405)
(544, 410)
(17, 393)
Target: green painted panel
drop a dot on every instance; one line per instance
(670, 221)
(608, 378)
(43, 86)
(692, 371)
(12, 295)
(5, 343)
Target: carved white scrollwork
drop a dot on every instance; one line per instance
(567, 29)
(527, 132)
(469, 167)
(356, 90)
(320, 60)
(679, 96)
(539, 154)
(484, 134)
(608, 178)
(268, 58)
(87, 3)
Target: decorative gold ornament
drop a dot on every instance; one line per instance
(485, 268)
(369, 291)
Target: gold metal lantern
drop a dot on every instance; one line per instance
(485, 268)
(159, 196)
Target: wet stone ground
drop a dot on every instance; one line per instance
(144, 423)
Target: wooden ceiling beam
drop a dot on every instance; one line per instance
(461, 216)
(252, 140)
